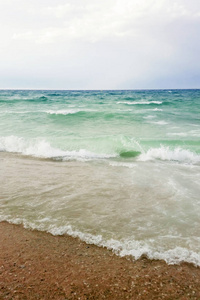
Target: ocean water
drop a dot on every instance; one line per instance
(120, 169)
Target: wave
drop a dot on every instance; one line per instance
(43, 149)
(195, 133)
(129, 153)
(43, 98)
(149, 117)
(52, 94)
(124, 248)
(162, 122)
(67, 111)
(20, 99)
(89, 113)
(51, 112)
(165, 153)
(97, 148)
(139, 102)
(63, 111)
(157, 109)
(17, 112)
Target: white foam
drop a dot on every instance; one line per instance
(85, 155)
(66, 111)
(165, 153)
(17, 112)
(125, 247)
(160, 122)
(43, 149)
(195, 133)
(122, 164)
(177, 134)
(133, 248)
(139, 102)
(157, 109)
(149, 117)
(138, 248)
(51, 112)
(29, 147)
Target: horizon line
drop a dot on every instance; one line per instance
(86, 90)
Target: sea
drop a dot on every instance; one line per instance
(119, 169)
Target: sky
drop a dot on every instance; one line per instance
(107, 44)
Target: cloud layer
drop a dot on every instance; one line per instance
(94, 44)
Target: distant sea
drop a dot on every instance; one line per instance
(119, 169)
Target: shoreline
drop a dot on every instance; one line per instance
(38, 265)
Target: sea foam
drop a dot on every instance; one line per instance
(43, 149)
(139, 102)
(165, 153)
(126, 247)
(124, 148)
(162, 122)
(67, 111)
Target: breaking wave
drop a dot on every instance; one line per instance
(43, 149)
(165, 153)
(125, 247)
(67, 111)
(97, 148)
(139, 102)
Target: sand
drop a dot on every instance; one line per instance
(37, 265)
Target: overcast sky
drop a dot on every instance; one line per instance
(104, 44)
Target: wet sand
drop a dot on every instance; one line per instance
(37, 265)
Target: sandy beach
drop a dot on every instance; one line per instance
(37, 265)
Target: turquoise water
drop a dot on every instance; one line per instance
(116, 168)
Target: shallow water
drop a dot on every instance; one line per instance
(116, 168)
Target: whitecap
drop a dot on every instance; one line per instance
(149, 117)
(162, 122)
(139, 102)
(63, 111)
(165, 153)
(157, 109)
(67, 111)
(43, 149)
